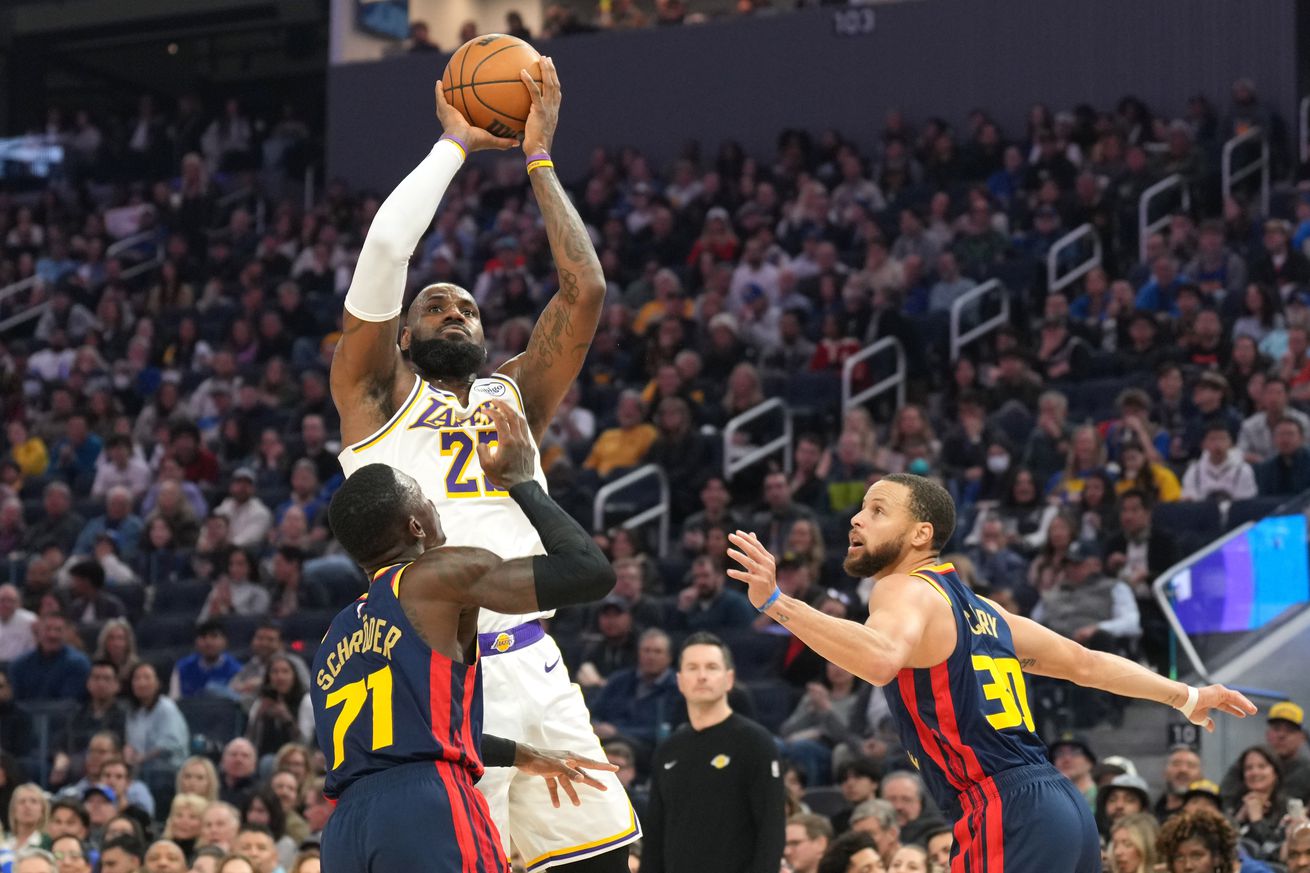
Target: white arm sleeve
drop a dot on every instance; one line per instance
(377, 289)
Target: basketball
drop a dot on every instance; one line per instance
(482, 82)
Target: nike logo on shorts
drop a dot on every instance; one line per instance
(550, 667)
(668, 765)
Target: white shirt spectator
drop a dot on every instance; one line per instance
(51, 366)
(1257, 437)
(16, 637)
(1125, 619)
(766, 276)
(249, 521)
(246, 598)
(1232, 477)
(135, 476)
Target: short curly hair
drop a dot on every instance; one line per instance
(1206, 825)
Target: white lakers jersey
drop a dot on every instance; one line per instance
(433, 439)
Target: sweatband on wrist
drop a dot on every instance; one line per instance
(539, 156)
(463, 146)
(1190, 706)
(498, 751)
(773, 598)
(537, 165)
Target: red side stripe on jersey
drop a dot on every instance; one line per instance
(468, 852)
(995, 828)
(472, 753)
(439, 700)
(941, 692)
(482, 817)
(460, 745)
(959, 768)
(488, 852)
(905, 683)
(963, 837)
(439, 706)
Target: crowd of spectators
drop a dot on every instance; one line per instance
(170, 443)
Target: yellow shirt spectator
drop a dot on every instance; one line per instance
(625, 445)
(29, 452)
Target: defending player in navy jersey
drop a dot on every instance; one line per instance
(953, 665)
(397, 681)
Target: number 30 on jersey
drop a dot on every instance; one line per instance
(1002, 680)
(458, 446)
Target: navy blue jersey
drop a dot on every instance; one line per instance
(966, 719)
(382, 697)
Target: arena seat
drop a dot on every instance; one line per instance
(756, 655)
(337, 577)
(181, 596)
(774, 700)
(1093, 398)
(161, 630)
(212, 720)
(1242, 511)
(133, 597)
(307, 624)
(1015, 422)
(1195, 524)
(812, 397)
(241, 629)
(163, 659)
(826, 801)
(49, 719)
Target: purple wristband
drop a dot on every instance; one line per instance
(539, 157)
(457, 141)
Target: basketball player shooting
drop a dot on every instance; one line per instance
(954, 664)
(425, 416)
(404, 769)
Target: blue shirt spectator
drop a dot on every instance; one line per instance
(53, 670)
(119, 521)
(639, 702)
(208, 668)
(705, 605)
(1160, 293)
(74, 457)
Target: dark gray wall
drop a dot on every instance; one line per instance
(748, 79)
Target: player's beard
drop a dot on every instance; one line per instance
(871, 562)
(437, 358)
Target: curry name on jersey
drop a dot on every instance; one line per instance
(383, 697)
(434, 439)
(968, 718)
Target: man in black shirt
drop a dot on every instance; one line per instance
(716, 796)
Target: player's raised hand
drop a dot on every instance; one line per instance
(560, 769)
(759, 570)
(1217, 698)
(510, 460)
(456, 125)
(539, 132)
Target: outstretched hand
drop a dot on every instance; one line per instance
(454, 124)
(561, 769)
(539, 132)
(510, 460)
(1217, 698)
(759, 570)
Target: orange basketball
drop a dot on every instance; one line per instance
(482, 82)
